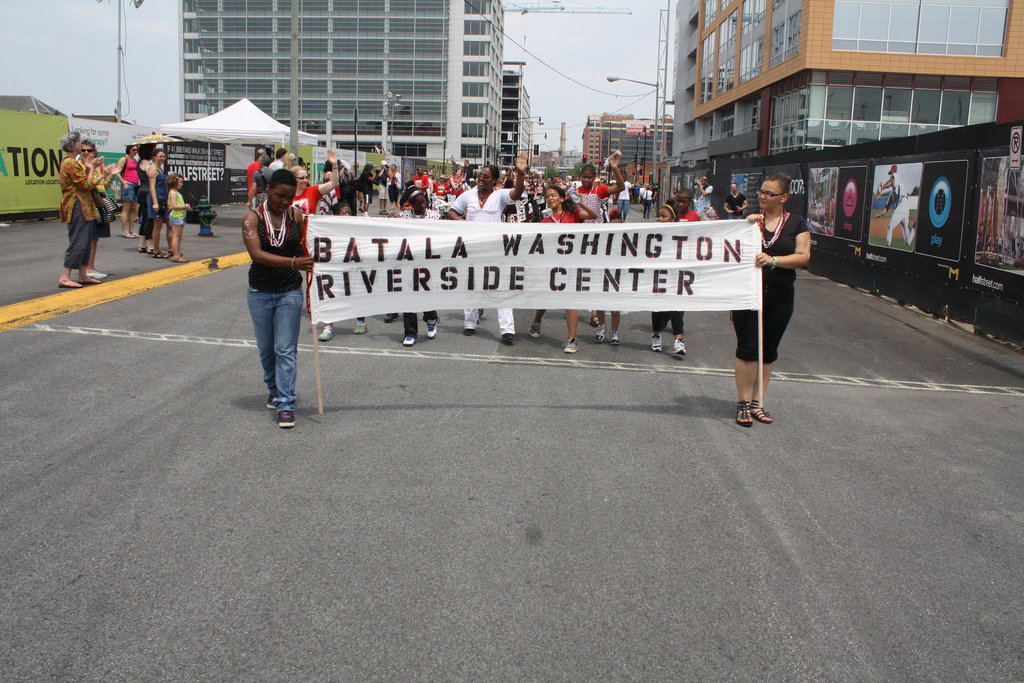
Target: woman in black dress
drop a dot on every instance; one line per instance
(786, 246)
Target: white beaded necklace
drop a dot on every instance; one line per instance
(275, 236)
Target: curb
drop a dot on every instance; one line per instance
(44, 308)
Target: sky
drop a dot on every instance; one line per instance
(66, 53)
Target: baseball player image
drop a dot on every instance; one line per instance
(897, 191)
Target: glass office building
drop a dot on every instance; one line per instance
(765, 76)
(438, 55)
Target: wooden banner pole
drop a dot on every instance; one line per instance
(316, 365)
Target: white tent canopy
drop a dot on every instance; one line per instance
(243, 121)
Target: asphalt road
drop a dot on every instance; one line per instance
(465, 510)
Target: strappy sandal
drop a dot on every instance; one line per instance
(594, 320)
(161, 254)
(743, 417)
(760, 414)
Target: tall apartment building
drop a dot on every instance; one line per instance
(515, 114)
(760, 77)
(443, 57)
(635, 138)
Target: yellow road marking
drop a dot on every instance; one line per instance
(44, 308)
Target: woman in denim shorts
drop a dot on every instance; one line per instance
(129, 187)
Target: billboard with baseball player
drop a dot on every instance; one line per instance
(894, 206)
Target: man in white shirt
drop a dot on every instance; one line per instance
(624, 200)
(278, 162)
(484, 204)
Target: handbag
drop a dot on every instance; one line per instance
(106, 206)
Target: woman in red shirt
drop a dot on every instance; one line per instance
(308, 196)
(563, 210)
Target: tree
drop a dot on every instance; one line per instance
(550, 172)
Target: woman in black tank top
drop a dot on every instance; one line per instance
(273, 235)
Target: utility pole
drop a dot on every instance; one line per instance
(294, 141)
(120, 50)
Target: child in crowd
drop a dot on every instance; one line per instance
(177, 209)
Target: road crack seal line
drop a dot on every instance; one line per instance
(905, 385)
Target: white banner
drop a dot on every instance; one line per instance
(111, 138)
(369, 266)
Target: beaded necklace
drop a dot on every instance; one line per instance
(778, 230)
(275, 236)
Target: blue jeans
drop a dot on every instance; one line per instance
(276, 319)
(623, 208)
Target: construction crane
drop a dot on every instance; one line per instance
(558, 8)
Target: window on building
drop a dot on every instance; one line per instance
(474, 68)
(710, 10)
(956, 108)
(476, 27)
(410, 149)
(478, 6)
(478, 109)
(839, 102)
(792, 35)
(750, 60)
(726, 75)
(473, 130)
(867, 104)
(707, 69)
(472, 151)
(896, 105)
(926, 106)
(476, 48)
(777, 49)
(983, 107)
(953, 27)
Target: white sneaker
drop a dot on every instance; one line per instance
(656, 342)
(409, 341)
(571, 346)
(599, 334)
(679, 347)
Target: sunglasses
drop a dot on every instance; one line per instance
(302, 177)
(766, 193)
(88, 149)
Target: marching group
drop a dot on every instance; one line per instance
(280, 199)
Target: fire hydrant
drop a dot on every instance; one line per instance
(206, 216)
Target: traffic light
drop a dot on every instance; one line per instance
(584, 158)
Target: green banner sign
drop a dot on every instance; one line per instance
(30, 161)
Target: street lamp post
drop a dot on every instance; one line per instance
(120, 52)
(657, 100)
(391, 104)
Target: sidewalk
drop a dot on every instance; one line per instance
(33, 253)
